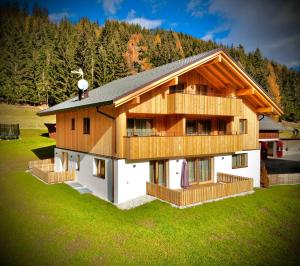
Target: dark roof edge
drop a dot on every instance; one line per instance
(45, 112)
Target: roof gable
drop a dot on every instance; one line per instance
(125, 89)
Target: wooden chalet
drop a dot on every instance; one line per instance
(130, 137)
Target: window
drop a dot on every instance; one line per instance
(177, 88)
(198, 127)
(158, 172)
(139, 127)
(86, 125)
(199, 170)
(201, 89)
(239, 160)
(222, 125)
(73, 124)
(99, 169)
(243, 126)
(78, 163)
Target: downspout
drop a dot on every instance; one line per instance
(113, 160)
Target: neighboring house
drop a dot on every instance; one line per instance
(131, 136)
(270, 143)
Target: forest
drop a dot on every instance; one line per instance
(37, 57)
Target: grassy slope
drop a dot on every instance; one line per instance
(25, 116)
(54, 225)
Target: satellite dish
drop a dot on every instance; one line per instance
(82, 84)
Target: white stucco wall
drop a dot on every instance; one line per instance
(223, 164)
(175, 173)
(130, 180)
(101, 188)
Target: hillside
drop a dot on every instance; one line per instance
(38, 56)
(25, 116)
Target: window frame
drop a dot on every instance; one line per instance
(243, 122)
(197, 179)
(98, 172)
(155, 172)
(86, 125)
(73, 124)
(240, 163)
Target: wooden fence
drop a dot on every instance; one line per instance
(40, 163)
(44, 170)
(227, 185)
(9, 131)
(284, 179)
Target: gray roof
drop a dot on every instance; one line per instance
(118, 88)
(268, 124)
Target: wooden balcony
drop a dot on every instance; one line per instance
(180, 146)
(181, 103)
(227, 186)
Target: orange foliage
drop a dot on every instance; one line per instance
(272, 80)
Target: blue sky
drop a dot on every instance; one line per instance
(271, 25)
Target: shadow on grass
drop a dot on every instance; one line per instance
(45, 152)
(46, 135)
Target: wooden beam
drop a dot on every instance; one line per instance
(229, 74)
(171, 82)
(244, 92)
(135, 100)
(222, 77)
(212, 62)
(204, 72)
(269, 109)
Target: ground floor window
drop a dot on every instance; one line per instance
(239, 160)
(99, 169)
(199, 170)
(78, 163)
(158, 172)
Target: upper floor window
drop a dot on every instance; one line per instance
(222, 126)
(201, 89)
(243, 126)
(73, 124)
(240, 160)
(86, 125)
(198, 127)
(177, 88)
(139, 127)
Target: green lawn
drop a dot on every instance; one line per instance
(54, 225)
(23, 115)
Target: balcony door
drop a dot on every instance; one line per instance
(199, 170)
(139, 127)
(65, 161)
(158, 172)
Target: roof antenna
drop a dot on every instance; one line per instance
(82, 84)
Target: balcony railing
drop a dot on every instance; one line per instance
(180, 146)
(183, 103)
(227, 185)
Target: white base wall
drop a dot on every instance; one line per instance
(130, 180)
(101, 188)
(223, 164)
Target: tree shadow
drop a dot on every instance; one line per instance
(44, 152)
(46, 135)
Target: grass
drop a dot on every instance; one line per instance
(54, 225)
(23, 115)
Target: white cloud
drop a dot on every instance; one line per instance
(111, 6)
(143, 22)
(197, 8)
(57, 17)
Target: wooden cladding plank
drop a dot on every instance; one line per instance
(166, 147)
(99, 141)
(179, 103)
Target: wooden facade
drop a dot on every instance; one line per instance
(227, 95)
